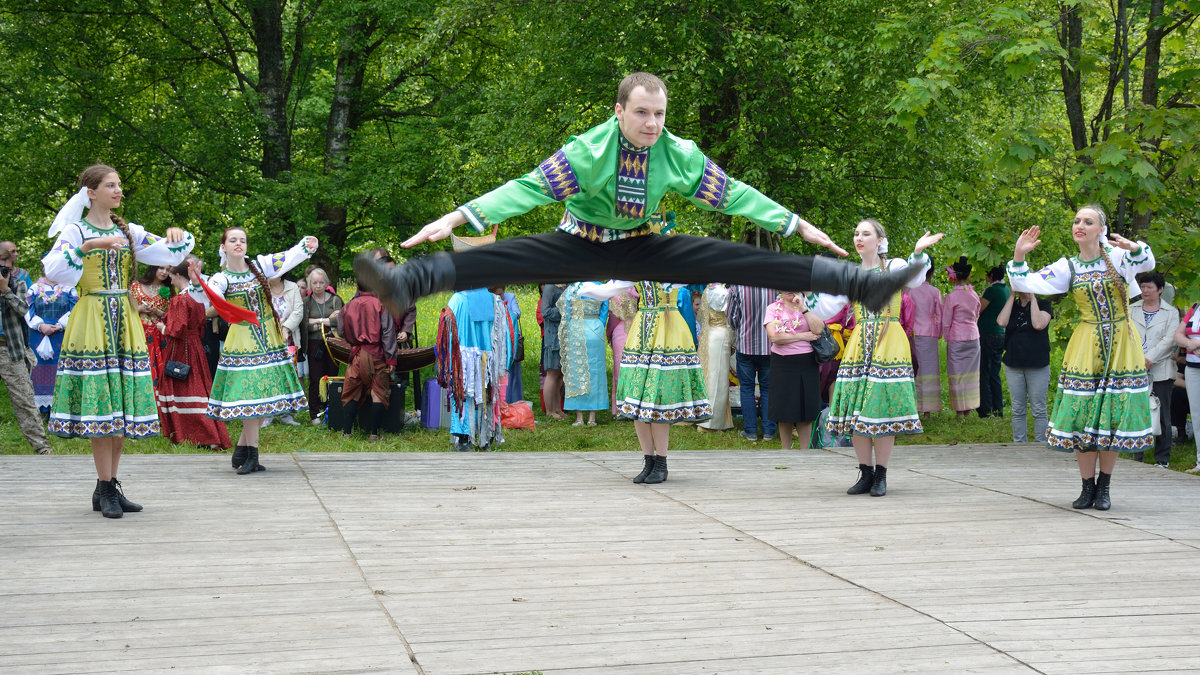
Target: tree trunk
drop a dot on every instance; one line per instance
(344, 118)
(267, 20)
(717, 117)
(1070, 37)
(1154, 36)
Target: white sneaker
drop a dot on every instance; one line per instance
(289, 420)
(316, 421)
(267, 422)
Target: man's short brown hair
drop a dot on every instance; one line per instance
(632, 81)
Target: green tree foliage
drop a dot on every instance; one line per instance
(360, 120)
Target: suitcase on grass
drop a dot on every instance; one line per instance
(435, 409)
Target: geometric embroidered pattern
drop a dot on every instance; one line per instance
(631, 181)
(712, 185)
(558, 180)
(596, 233)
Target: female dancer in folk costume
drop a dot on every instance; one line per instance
(873, 398)
(50, 306)
(661, 378)
(183, 404)
(1102, 407)
(255, 378)
(103, 390)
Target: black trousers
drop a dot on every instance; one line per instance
(558, 257)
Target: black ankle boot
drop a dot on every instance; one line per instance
(658, 471)
(251, 464)
(879, 485)
(109, 506)
(399, 287)
(872, 289)
(647, 467)
(1087, 496)
(239, 455)
(866, 477)
(126, 505)
(1103, 502)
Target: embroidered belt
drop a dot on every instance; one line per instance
(654, 309)
(585, 230)
(114, 291)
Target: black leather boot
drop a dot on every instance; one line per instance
(866, 477)
(109, 506)
(251, 465)
(879, 485)
(1103, 502)
(126, 505)
(239, 455)
(658, 472)
(647, 467)
(399, 287)
(873, 289)
(1087, 496)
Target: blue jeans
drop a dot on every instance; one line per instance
(1027, 388)
(750, 367)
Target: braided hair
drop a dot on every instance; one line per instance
(258, 276)
(1108, 266)
(90, 178)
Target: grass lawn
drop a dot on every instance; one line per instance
(941, 429)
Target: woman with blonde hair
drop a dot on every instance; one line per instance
(1102, 407)
(874, 399)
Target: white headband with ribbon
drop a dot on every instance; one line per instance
(71, 212)
(224, 258)
(883, 246)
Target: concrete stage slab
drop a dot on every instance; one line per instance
(742, 562)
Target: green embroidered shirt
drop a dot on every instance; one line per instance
(585, 172)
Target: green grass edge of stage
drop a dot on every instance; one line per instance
(550, 436)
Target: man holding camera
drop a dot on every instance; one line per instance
(16, 359)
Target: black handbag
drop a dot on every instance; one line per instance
(178, 369)
(824, 348)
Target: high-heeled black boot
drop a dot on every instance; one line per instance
(873, 289)
(879, 485)
(399, 287)
(866, 477)
(239, 455)
(1103, 501)
(1087, 496)
(251, 464)
(109, 506)
(658, 472)
(647, 467)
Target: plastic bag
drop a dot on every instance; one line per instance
(518, 415)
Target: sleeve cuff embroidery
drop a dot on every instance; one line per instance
(476, 218)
